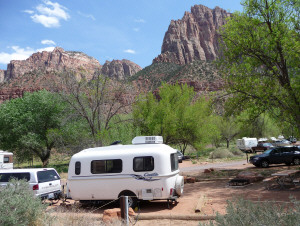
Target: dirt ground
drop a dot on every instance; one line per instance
(216, 192)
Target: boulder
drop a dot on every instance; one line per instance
(111, 215)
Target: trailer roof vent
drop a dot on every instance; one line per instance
(148, 140)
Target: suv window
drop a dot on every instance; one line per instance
(5, 177)
(275, 152)
(106, 166)
(47, 175)
(145, 163)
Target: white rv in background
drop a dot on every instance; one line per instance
(245, 144)
(6, 160)
(146, 170)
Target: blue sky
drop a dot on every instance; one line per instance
(103, 29)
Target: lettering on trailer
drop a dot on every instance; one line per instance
(146, 177)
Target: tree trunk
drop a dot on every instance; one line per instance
(227, 140)
(45, 157)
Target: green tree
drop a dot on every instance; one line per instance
(229, 129)
(25, 124)
(176, 115)
(260, 61)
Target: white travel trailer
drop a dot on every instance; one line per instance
(245, 144)
(146, 170)
(6, 160)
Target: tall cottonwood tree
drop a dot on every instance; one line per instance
(260, 61)
(25, 124)
(176, 114)
(99, 101)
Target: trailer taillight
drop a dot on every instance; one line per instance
(35, 187)
(171, 191)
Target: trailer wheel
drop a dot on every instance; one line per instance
(179, 184)
(132, 199)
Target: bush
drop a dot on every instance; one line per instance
(18, 206)
(236, 151)
(220, 153)
(244, 212)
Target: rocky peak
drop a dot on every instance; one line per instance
(120, 69)
(58, 60)
(194, 37)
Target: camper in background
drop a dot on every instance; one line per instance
(245, 144)
(145, 170)
(6, 160)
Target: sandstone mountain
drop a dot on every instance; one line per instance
(58, 60)
(120, 69)
(188, 50)
(41, 69)
(194, 37)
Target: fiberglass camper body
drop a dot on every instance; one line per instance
(6, 160)
(147, 170)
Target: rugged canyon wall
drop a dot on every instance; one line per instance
(57, 61)
(194, 37)
(120, 69)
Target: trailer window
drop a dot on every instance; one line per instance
(5, 177)
(106, 166)
(145, 163)
(6, 160)
(77, 168)
(174, 162)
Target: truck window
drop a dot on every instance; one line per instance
(106, 166)
(143, 163)
(77, 168)
(174, 161)
(47, 175)
(6, 177)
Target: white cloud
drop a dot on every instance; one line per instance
(28, 11)
(86, 15)
(140, 20)
(49, 14)
(46, 20)
(48, 42)
(131, 51)
(20, 53)
(57, 10)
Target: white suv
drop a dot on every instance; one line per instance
(44, 182)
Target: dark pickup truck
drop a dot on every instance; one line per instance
(261, 147)
(278, 155)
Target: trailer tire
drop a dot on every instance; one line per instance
(132, 199)
(179, 184)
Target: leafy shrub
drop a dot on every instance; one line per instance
(236, 151)
(244, 212)
(220, 153)
(18, 206)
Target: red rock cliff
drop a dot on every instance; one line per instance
(57, 60)
(194, 37)
(120, 69)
